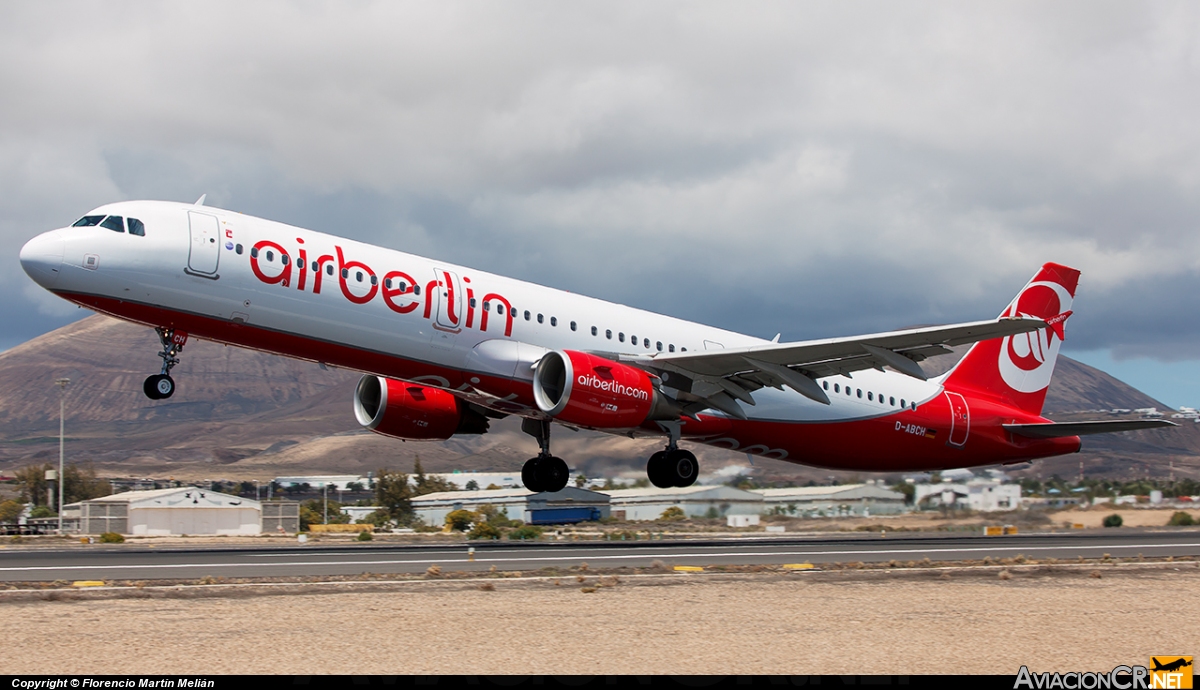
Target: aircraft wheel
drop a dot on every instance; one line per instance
(684, 468)
(552, 473)
(658, 470)
(158, 387)
(529, 475)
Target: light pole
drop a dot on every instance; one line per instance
(62, 409)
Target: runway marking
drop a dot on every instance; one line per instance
(464, 559)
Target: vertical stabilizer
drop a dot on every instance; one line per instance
(1017, 369)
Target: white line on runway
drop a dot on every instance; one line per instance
(161, 566)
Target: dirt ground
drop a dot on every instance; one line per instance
(886, 622)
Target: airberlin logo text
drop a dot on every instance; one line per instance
(360, 284)
(593, 381)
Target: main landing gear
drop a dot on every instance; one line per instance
(672, 466)
(545, 472)
(161, 385)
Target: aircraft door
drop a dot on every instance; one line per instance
(450, 309)
(960, 419)
(205, 249)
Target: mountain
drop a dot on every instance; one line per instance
(242, 414)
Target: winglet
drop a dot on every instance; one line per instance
(200, 201)
(1056, 324)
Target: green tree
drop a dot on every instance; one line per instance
(79, 483)
(580, 480)
(483, 530)
(909, 491)
(42, 512)
(1113, 520)
(10, 511)
(472, 485)
(394, 494)
(426, 484)
(1181, 519)
(460, 520)
(494, 516)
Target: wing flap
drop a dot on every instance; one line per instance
(1065, 429)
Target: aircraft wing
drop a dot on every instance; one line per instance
(718, 377)
(1064, 429)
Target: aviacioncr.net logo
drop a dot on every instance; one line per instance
(1027, 359)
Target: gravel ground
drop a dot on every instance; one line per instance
(773, 623)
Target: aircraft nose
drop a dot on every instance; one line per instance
(42, 258)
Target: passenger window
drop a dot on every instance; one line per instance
(527, 315)
(659, 346)
(683, 349)
(870, 396)
(540, 319)
(671, 347)
(114, 223)
(254, 252)
(621, 337)
(825, 385)
(345, 271)
(594, 331)
(329, 269)
(136, 227)
(902, 403)
(837, 388)
(316, 267)
(270, 256)
(87, 221)
(472, 302)
(633, 340)
(573, 326)
(499, 307)
(375, 281)
(358, 276)
(859, 393)
(487, 306)
(849, 391)
(284, 258)
(416, 289)
(892, 402)
(299, 263)
(238, 249)
(914, 407)
(646, 343)
(608, 334)
(553, 320)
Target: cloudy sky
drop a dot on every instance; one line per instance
(812, 169)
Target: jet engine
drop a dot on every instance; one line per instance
(413, 411)
(583, 389)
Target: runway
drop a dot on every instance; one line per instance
(137, 562)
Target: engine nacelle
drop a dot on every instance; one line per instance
(591, 391)
(413, 411)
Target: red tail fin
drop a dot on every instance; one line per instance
(1017, 369)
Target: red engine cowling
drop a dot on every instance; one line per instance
(595, 392)
(413, 411)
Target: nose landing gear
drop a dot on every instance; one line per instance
(161, 385)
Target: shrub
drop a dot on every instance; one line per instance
(673, 513)
(1113, 520)
(365, 535)
(1181, 519)
(525, 533)
(111, 538)
(483, 531)
(460, 520)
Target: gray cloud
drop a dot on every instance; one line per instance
(816, 170)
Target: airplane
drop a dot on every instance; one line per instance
(445, 349)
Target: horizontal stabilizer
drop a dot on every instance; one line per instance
(1064, 429)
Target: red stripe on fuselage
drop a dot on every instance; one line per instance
(896, 442)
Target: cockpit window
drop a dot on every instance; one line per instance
(88, 221)
(136, 227)
(114, 223)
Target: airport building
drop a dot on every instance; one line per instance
(566, 506)
(833, 501)
(184, 510)
(979, 494)
(695, 501)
